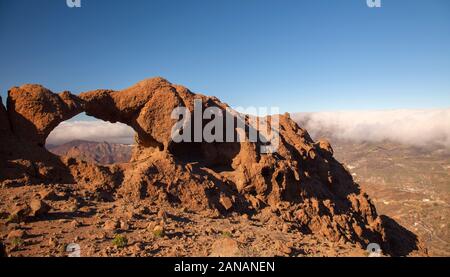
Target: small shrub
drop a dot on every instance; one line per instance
(17, 242)
(226, 234)
(158, 232)
(120, 241)
(13, 218)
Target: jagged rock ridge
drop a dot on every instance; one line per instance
(301, 183)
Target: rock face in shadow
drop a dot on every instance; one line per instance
(3, 253)
(301, 182)
(4, 121)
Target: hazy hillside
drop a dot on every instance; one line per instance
(99, 152)
(409, 183)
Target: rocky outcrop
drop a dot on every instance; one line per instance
(300, 183)
(35, 111)
(143, 106)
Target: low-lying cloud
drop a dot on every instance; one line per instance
(412, 127)
(91, 131)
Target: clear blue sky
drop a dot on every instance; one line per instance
(312, 55)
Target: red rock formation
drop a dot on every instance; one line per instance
(35, 111)
(301, 183)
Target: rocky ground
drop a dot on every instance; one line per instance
(407, 183)
(143, 229)
(298, 193)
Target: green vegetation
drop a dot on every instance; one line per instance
(17, 242)
(13, 218)
(120, 241)
(159, 233)
(226, 234)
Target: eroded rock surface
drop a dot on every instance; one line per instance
(35, 111)
(300, 184)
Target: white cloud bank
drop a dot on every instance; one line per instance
(91, 131)
(412, 127)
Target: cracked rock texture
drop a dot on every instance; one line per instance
(301, 184)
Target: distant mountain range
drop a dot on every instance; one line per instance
(98, 152)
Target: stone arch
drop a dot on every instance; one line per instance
(146, 107)
(34, 111)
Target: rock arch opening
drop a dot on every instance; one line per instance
(91, 139)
